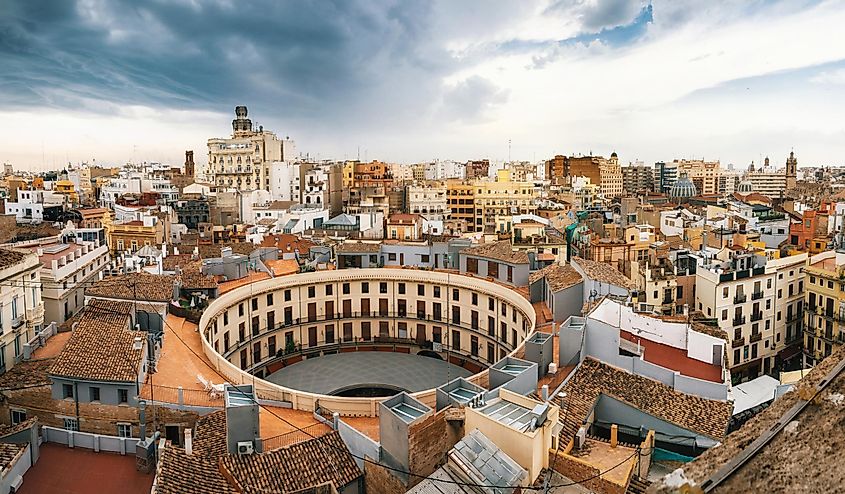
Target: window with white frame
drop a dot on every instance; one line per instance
(18, 416)
(124, 430)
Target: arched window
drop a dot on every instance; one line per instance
(239, 160)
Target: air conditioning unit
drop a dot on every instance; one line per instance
(581, 437)
(245, 448)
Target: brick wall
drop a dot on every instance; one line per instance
(94, 418)
(379, 480)
(428, 443)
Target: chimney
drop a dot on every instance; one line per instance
(544, 392)
(614, 439)
(189, 443)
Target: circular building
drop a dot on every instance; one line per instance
(347, 338)
(745, 187)
(682, 189)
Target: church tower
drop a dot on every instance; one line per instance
(791, 170)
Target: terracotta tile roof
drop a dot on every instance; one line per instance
(295, 467)
(171, 262)
(26, 374)
(213, 251)
(501, 251)
(211, 469)
(403, 219)
(197, 280)
(357, 248)
(593, 378)
(604, 272)
(8, 430)
(135, 286)
(282, 267)
(287, 242)
(558, 276)
(210, 435)
(10, 454)
(101, 347)
(9, 257)
(179, 473)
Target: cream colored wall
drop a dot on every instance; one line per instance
(503, 296)
(529, 449)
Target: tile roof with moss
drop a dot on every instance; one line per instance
(500, 251)
(296, 467)
(135, 286)
(604, 272)
(101, 346)
(593, 378)
(211, 469)
(558, 276)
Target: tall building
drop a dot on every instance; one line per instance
(496, 202)
(605, 173)
(704, 174)
(774, 182)
(243, 161)
(637, 177)
(756, 301)
(824, 317)
(665, 176)
(21, 306)
(461, 199)
(556, 170)
(791, 170)
(477, 169)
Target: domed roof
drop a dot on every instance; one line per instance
(613, 155)
(683, 188)
(745, 187)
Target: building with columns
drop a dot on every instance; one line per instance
(243, 160)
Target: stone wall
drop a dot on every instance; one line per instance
(379, 480)
(428, 442)
(578, 471)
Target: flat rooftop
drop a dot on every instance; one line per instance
(675, 359)
(63, 470)
(333, 373)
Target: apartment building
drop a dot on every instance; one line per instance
(824, 314)
(756, 300)
(132, 235)
(68, 266)
(704, 174)
(606, 173)
(461, 200)
(370, 189)
(21, 306)
(637, 177)
(498, 201)
(243, 160)
(477, 169)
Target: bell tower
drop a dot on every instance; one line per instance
(791, 170)
(241, 125)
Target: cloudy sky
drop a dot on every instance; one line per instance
(115, 80)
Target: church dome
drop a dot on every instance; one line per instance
(683, 188)
(745, 187)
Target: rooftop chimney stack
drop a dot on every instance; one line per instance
(189, 442)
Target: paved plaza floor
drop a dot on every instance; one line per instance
(332, 373)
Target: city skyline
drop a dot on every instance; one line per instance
(652, 81)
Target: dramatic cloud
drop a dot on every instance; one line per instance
(119, 79)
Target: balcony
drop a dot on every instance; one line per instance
(740, 298)
(35, 315)
(738, 342)
(756, 295)
(755, 337)
(17, 321)
(756, 316)
(738, 321)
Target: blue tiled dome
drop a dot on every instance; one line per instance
(683, 188)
